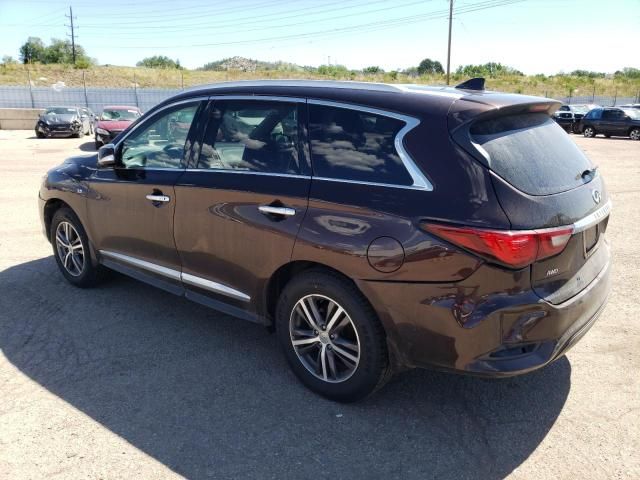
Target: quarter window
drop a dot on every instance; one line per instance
(252, 136)
(355, 145)
(161, 143)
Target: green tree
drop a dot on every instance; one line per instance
(490, 69)
(428, 66)
(372, 70)
(32, 50)
(159, 61)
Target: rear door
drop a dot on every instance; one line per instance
(612, 121)
(242, 199)
(543, 180)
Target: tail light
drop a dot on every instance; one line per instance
(512, 248)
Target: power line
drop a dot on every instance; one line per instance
(288, 25)
(370, 26)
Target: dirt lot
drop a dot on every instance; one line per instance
(126, 381)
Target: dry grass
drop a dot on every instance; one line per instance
(127, 77)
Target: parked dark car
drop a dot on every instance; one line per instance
(63, 122)
(565, 120)
(375, 227)
(112, 121)
(614, 121)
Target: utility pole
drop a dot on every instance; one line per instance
(73, 34)
(449, 48)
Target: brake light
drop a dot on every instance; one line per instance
(513, 248)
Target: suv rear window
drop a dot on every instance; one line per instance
(531, 152)
(355, 145)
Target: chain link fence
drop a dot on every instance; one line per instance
(145, 98)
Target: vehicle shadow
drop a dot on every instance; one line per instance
(211, 396)
(88, 147)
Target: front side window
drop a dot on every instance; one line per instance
(594, 114)
(355, 145)
(160, 143)
(252, 136)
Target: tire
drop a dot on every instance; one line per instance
(98, 145)
(343, 378)
(39, 134)
(575, 128)
(634, 134)
(589, 132)
(76, 267)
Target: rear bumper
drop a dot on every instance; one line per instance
(461, 328)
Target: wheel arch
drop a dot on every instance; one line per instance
(50, 208)
(283, 275)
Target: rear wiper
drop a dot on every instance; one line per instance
(589, 172)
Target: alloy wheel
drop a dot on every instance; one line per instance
(324, 338)
(70, 249)
(635, 134)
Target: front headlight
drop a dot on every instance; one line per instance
(102, 131)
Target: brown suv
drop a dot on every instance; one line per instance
(376, 227)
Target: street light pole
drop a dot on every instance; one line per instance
(449, 48)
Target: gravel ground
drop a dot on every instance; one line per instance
(126, 381)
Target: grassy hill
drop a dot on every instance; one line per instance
(127, 77)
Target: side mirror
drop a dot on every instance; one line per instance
(107, 156)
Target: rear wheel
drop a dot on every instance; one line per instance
(71, 249)
(635, 134)
(332, 337)
(589, 132)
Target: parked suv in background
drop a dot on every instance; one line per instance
(112, 121)
(376, 227)
(63, 122)
(621, 122)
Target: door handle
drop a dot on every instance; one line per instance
(271, 210)
(158, 198)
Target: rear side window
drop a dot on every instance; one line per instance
(531, 152)
(355, 145)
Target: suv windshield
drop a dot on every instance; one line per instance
(120, 114)
(531, 152)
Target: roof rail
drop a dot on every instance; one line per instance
(476, 83)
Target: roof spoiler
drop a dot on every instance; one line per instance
(476, 83)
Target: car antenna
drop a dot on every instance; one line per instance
(476, 83)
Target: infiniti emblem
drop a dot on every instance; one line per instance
(596, 196)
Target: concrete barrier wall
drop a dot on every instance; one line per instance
(19, 118)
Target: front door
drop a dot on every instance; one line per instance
(240, 206)
(131, 206)
(612, 122)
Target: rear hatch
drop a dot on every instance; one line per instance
(543, 182)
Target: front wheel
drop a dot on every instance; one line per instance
(332, 337)
(71, 249)
(589, 132)
(635, 134)
(39, 134)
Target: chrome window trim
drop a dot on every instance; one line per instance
(420, 181)
(593, 218)
(264, 98)
(177, 275)
(248, 172)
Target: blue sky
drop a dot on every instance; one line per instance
(535, 36)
